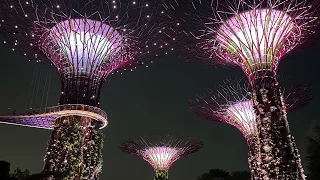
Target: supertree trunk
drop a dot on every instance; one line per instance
(279, 156)
(75, 148)
(253, 156)
(161, 175)
(93, 158)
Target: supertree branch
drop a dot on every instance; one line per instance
(231, 103)
(161, 151)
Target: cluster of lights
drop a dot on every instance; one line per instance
(231, 103)
(161, 152)
(86, 44)
(45, 118)
(161, 157)
(130, 49)
(63, 156)
(256, 37)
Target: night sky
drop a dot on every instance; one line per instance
(151, 100)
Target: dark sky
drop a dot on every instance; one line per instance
(149, 100)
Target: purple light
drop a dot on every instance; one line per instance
(161, 151)
(231, 103)
(257, 37)
(242, 115)
(85, 43)
(160, 157)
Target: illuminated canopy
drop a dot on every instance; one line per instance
(241, 114)
(231, 103)
(161, 151)
(160, 157)
(84, 45)
(258, 38)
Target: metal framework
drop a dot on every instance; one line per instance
(46, 119)
(86, 40)
(231, 103)
(161, 151)
(254, 35)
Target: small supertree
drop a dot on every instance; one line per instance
(86, 40)
(161, 151)
(255, 35)
(231, 103)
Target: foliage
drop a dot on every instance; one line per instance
(75, 148)
(219, 174)
(313, 157)
(214, 174)
(18, 173)
(240, 175)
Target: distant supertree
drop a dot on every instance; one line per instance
(86, 40)
(161, 151)
(255, 35)
(231, 103)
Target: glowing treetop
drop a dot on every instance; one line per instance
(231, 103)
(254, 35)
(87, 39)
(88, 45)
(161, 152)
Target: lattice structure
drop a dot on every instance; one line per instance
(86, 40)
(47, 118)
(255, 35)
(161, 151)
(231, 103)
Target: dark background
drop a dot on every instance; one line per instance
(149, 100)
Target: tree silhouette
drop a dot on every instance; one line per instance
(313, 157)
(240, 175)
(219, 174)
(24, 175)
(18, 174)
(214, 174)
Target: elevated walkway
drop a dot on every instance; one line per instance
(46, 119)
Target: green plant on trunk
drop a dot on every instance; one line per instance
(161, 175)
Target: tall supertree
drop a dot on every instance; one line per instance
(255, 35)
(231, 103)
(161, 151)
(86, 40)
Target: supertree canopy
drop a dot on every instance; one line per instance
(231, 103)
(161, 151)
(86, 40)
(256, 35)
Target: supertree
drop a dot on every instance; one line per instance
(161, 151)
(255, 35)
(231, 103)
(86, 40)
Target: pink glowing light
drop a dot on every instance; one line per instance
(160, 157)
(92, 38)
(241, 115)
(86, 44)
(161, 151)
(231, 103)
(257, 39)
(253, 35)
